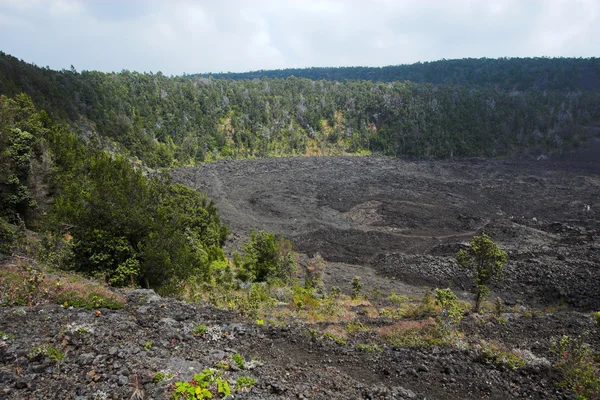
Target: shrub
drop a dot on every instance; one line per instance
(314, 273)
(422, 333)
(494, 354)
(356, 287)
(202, 386)
(580, 366)
(266, 257)
(451, 314)
(597, 318)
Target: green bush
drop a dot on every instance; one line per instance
(266, 257)
(202, 386)
(579, 365)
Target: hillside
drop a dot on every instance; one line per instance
(519, 74)
(174, 121)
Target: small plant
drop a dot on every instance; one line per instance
(355, 327)
(597, 318)
(396, 299)
(451, 314)
(580, 366)
(335, 292)
(493, 354)
(314, 273)
(205, 385)
(158, 377)
(498, 307)
(356, 287)
(199, 330)
(50, 352)
(147, 345)
(239, 360)
(339, 340)
(369, 348)
(6, 337)
(244, 383)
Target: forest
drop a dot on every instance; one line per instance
(539, 73)
(456, 108)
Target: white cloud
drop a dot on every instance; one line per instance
(236, 35)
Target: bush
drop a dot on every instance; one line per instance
(493, 354)
(580, 366)
(266, 257)
(202, 386)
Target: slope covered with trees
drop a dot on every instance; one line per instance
(101, 215)
(170, 121)
(505, 73)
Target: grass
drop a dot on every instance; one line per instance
(495, 354)
(25, 285)
(421, 333)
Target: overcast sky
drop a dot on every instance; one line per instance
(177, 36)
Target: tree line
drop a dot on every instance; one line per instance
(173, 121)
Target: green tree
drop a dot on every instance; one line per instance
(266, 257)
(485, 260)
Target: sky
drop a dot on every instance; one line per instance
(195, 36)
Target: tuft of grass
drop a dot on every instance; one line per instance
(239, 360)
(355, 327)
(199, 330)
(29, 286)
(494, 354)
(244, 383)
(369, 348)
(422, 333)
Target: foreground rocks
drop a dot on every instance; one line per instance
(117, 354)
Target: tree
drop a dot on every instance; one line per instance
(485, 260)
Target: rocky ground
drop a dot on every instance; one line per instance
(398, 224)
(116, 355)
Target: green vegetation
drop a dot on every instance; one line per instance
(167, 122)
(369, 348)
(356, 287)
(579, 365)
(48, 351)
(199, 330)
(509, 73)
(205, 385)
(239, 360)
(106, 219)
(451, 313)
(485, 260)
(494, 354)
(148, 345)
(266, 257)
(25, 285)
(244, 383)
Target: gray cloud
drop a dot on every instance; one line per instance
(237, 35)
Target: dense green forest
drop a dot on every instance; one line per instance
(170, 121)
(505, 73)
(96, 213)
